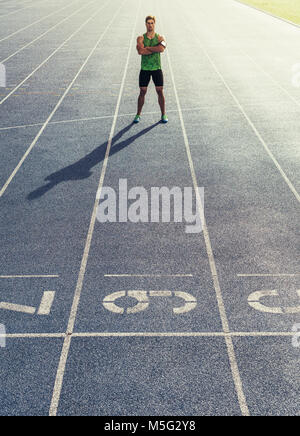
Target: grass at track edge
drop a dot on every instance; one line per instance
(288, 9)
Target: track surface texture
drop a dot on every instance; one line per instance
(204, 323)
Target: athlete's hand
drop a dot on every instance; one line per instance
(141, 49)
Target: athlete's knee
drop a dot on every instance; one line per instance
(143, 91)
(160, 90)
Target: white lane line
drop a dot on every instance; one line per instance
(36, 22)
(46, 303)
(151, 334)
(243, 52)
(22, 9)
(51, 55)
(54, 110)
(46, 276)
(148, 275)
(74, 309)
(268, 275)
(261, 334)
(262, 141)
(34, 335)
(297, 102)
(45, 33)
(8, 2)
(77, 120)
(181, 334)
(17, 308)
(24, 126)
(231, 354)
(251, 124)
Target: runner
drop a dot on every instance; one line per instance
(150, 46)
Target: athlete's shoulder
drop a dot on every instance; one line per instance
(140, 38)
(161, 38)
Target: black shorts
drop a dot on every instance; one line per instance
(157, 76)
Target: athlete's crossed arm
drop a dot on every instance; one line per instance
(142, 50)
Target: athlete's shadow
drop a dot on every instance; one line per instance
(82, 169)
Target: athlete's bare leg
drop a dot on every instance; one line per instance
(141, 100)
(161, 99)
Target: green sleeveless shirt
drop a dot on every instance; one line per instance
(151, 62)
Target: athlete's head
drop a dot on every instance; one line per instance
(150, 23)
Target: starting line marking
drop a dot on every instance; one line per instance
(30, 276)
(268, 275)
(148, 275)
(149, 334)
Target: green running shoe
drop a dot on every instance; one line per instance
(137, 119)
(164, 119)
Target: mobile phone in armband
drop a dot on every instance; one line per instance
(163, 44)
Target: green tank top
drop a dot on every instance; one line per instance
(151, 62)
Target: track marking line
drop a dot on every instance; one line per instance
(22, 9)
(36, 22)
(268, 275)
(151, 334)
(185, 334)
(297, 102)
(92, 119)
(148, 275)
(52, 54)
(46, 276)
(79, 286)
(243, 52)
(251, 124)
(4, 188)
(258, 135)
(45, 33)
(34, 335)
(231, 354)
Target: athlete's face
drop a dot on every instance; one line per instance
(150, 26)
